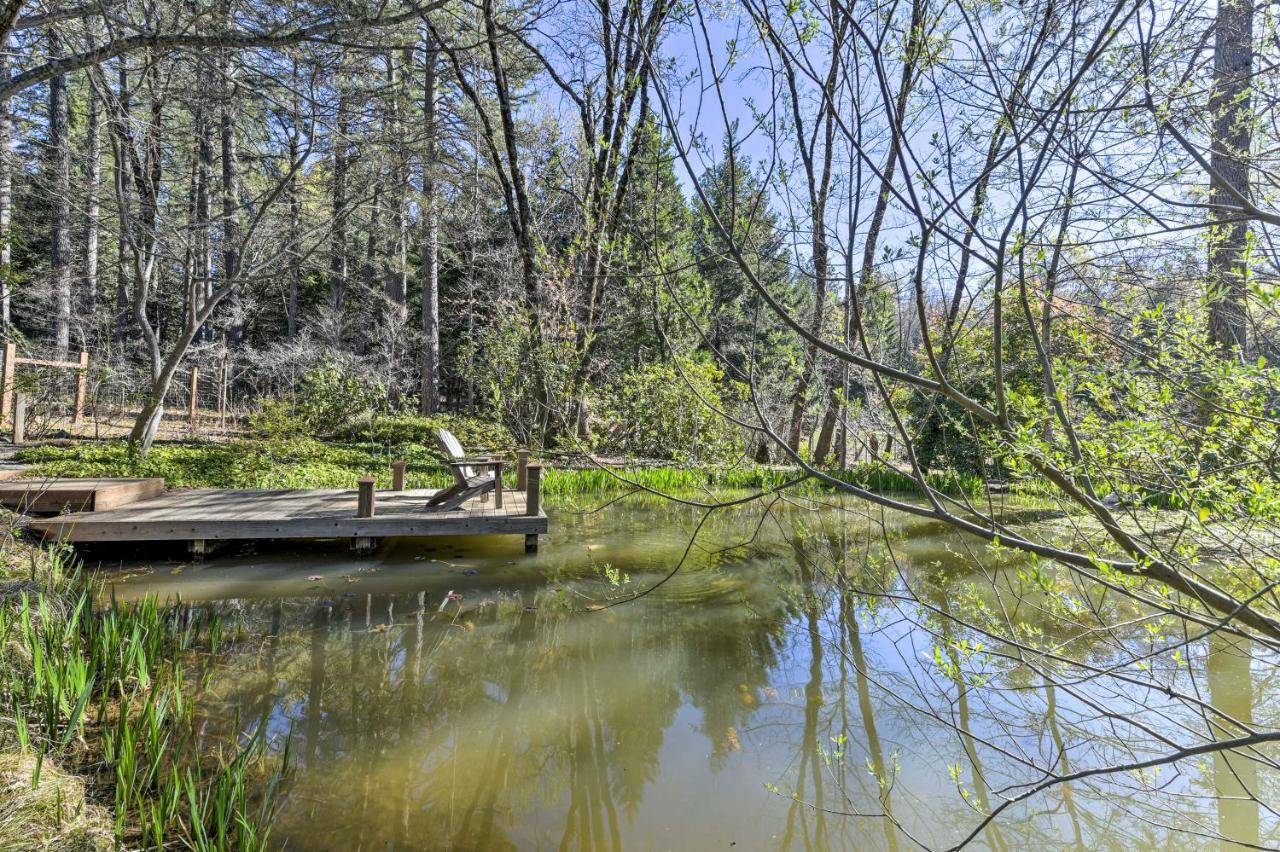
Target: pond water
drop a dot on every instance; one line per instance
(780, 690)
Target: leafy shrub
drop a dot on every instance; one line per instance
(473, 433)
(326, 401)
(522, 379)
(665, 411)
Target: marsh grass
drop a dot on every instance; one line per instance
(110, 693)
(684, 480)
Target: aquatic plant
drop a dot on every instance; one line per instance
(110, 691)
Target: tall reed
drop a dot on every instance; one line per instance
(109, 690)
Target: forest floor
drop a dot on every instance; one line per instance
(107, 424)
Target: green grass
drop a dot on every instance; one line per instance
(308, 463)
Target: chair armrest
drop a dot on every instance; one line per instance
(470, 460)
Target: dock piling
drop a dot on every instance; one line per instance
(397, 475)
(365, 498)
(522, 469)
(532, 502)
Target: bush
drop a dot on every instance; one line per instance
(400, 429)
(665, 411)
(327, 400)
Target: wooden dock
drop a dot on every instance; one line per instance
(204, 515)
(52, 495)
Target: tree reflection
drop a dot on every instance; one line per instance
(783, 675)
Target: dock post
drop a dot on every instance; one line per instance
(365, 509)
(522, 469)
(397, 475)
(19, 418)
(82, 388)
(191, 395)
(497, 485)
(532, 502)
(365, 498)
(198, 548)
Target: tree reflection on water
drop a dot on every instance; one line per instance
(800, 683)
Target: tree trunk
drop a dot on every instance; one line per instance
(231, 232)
(59, 163)
(396, 258)
(120, 180)
(1230, 105)
(202, 232)
(92, 205)
(429, 271)
(6, 197)
(338, 238)
(295, 234)
(830, 418)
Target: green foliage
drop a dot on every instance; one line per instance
(656, 299)
(1132, 422)
(297, 463)
(672, 411)
(475, 434)
(327, 399)
(742, 327)
(524, 374)
(120, 680)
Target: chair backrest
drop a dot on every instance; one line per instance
(453, 450)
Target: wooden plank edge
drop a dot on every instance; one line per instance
(84, 529)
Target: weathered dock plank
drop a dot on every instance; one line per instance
(230, 514)
(53, 495)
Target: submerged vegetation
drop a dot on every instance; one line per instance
(110, 693)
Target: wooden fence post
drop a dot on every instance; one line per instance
(191, 395)
(522, 470)
(19, 418)
(397, 475)
(6, 396)
(82, 388)
(222, 394)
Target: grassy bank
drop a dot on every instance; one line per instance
(307, 463)
(99, 739)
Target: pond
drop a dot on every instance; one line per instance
(781, 690)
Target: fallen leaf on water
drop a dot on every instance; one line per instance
(315, 577)
(378, 628)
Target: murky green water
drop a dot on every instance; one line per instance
(781, 690)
